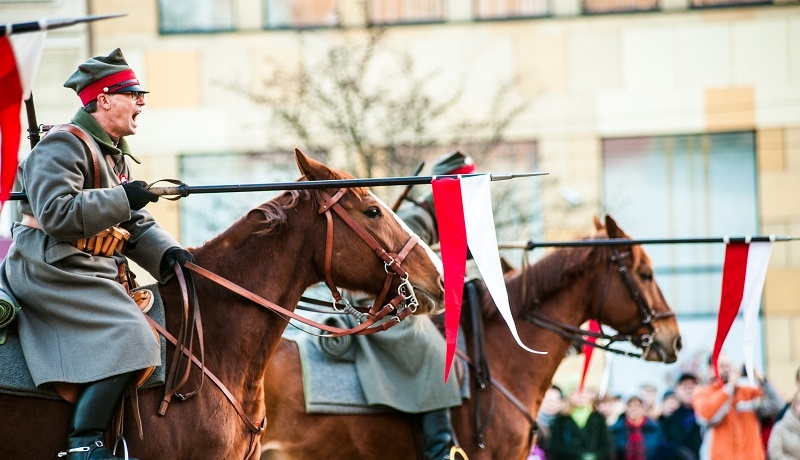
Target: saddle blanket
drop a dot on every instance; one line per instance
(15, 379)
(330, 379)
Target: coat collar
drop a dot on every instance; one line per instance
(87, 122)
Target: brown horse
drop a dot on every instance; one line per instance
(276, 251)
(549, 301)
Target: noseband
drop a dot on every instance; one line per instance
(405, 302)
(646, 313)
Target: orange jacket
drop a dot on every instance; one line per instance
(732, 430)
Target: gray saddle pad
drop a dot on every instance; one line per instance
(331, 384)
(330, 380)
(15, 379)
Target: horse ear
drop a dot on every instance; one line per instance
(597, 224)
(312, 169)
(613, 229)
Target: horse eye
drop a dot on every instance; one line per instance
(646, 276)
(373, 212)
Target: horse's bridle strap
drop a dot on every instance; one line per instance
(362, 329)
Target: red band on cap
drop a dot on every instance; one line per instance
(97, 88)
(466, 169)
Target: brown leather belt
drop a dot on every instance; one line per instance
(102, 244)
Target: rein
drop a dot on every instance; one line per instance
(576, 334)
(403, 304)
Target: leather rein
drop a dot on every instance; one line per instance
(575, 334)
(403, 304)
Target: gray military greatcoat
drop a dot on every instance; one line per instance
(77, 324)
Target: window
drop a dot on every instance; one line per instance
(618, 6)
(176, 16)
(283, 14)
(711, 3)
(505, 9)
(204, 216)
(405, 11)
(684, 186)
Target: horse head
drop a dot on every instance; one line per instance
(632, 303)
(381, 248)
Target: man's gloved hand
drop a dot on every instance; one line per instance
(173, 255)
(138, 195)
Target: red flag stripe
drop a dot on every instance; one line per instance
(594, 326)
(733, 276)
(10, 128)
(450, 216)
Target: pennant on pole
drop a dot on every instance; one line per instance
(19, 59)
(743, 275)
(464, 214)
(587, 350)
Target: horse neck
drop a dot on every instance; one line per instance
(239, 335)
(528, 375)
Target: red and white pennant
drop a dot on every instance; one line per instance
(464, 214)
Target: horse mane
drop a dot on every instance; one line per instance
(555, 272)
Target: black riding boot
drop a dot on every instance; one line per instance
(94, 410)
(438, 436)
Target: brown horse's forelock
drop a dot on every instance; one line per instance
(271, 216)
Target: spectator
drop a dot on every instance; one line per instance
(788, 404)
(611, 406)
(579, 432)
(669, 404)
(552, 404)
(649, 397)
(784, 441)
(680, 427)
(636, 436)
(728, 413)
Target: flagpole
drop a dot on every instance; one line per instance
(49, 24)
(184, 190)
(529, 245)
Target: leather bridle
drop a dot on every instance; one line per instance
(403, 304)
(647, 316)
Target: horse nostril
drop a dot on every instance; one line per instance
(678, 344)
(441, 282)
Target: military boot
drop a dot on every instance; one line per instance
(438, 437)
(94, 410)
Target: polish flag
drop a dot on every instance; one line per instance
(588, 349)
(19, 59)
(464, 214)
(743, 275)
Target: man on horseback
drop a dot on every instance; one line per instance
(82, 217)
(438, 434)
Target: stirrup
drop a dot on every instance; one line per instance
(124, 445)
(459, 451)
(144, 299)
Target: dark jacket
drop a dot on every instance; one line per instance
(683, 432)
(654, 442)
(568, 442)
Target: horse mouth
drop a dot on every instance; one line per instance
(430, 304)
(661, 353)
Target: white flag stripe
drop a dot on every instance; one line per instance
(482, 242)
(27, 52)
(756, 272)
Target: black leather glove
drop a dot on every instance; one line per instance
(175, 254)
(138, 195)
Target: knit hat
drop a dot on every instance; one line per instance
(453, 163)
(103, 74)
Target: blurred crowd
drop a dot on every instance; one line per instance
(698, 418)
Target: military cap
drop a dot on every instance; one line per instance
(453, 163)
(103, 74)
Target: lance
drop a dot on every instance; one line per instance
(530, 245)
(186, 190)
(408, 188)
(49, 24)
